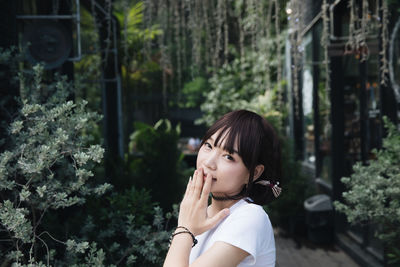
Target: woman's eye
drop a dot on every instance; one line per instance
(229, 157)
(207, 145)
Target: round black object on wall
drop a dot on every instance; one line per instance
(47, 41)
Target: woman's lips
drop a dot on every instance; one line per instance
(205, 176)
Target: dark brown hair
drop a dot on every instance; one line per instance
(257, 143)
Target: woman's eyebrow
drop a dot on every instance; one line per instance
(212, 141)
(235, 152)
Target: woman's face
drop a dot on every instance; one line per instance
(227, 170)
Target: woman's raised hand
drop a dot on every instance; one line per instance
(193, 208)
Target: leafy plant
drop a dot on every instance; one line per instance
(194, 92)
(130, 227)
(240, 84)
(157, 163)
(47, 175)
(373, 192)
(46, 166)
(231, 88)
(131, 20)
(288, 211)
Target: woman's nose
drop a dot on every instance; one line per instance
(210, 162)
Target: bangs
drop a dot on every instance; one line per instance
(226, 136)
(236, 133)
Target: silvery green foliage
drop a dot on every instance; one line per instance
(149, 241)
(46, 166)
(373, 191)
(137, 244)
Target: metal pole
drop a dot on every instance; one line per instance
(78, 33)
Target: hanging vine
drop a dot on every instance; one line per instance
(96, 23)
(384, 69)
(178, 46)
(278, 47)
(207, 39)
(325, 44)
(362, 24)
(195, 30)
(170, 46)
(148, 18)
(163, 50)
(183, 21)
(238, 12)
(226, 32)
(125, 45)
(268, 37)
(251, 23)
(199, 36)
(219, 24)
(108, 41)
(295, 24)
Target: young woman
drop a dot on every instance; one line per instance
(239, 165)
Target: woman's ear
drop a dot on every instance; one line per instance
(258, 171)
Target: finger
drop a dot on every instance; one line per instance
(193, 182)
(188, 186)
(198, 185)
(206, 189)
(213, 221)
(194, 177)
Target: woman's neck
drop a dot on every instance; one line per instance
(218, 205)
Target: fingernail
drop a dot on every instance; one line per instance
(227, 211)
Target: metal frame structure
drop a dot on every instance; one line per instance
(76, 17)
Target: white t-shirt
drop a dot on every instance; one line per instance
(246, 227)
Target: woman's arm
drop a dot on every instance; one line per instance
(193, 216)
(220, 254)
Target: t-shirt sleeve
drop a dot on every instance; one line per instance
(248, 229)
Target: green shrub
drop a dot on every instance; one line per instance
(232, 87)
(48, 186)
(46, 166)
(240, 84)
(157, 163)
(373, 192)
(130, 228)
(288, 211)
(193, 92)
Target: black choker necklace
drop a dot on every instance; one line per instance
(228, 198)
(241, 195)
(224, 198)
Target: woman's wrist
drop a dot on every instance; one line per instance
(183, 231)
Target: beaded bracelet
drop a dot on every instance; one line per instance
(186, 231)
